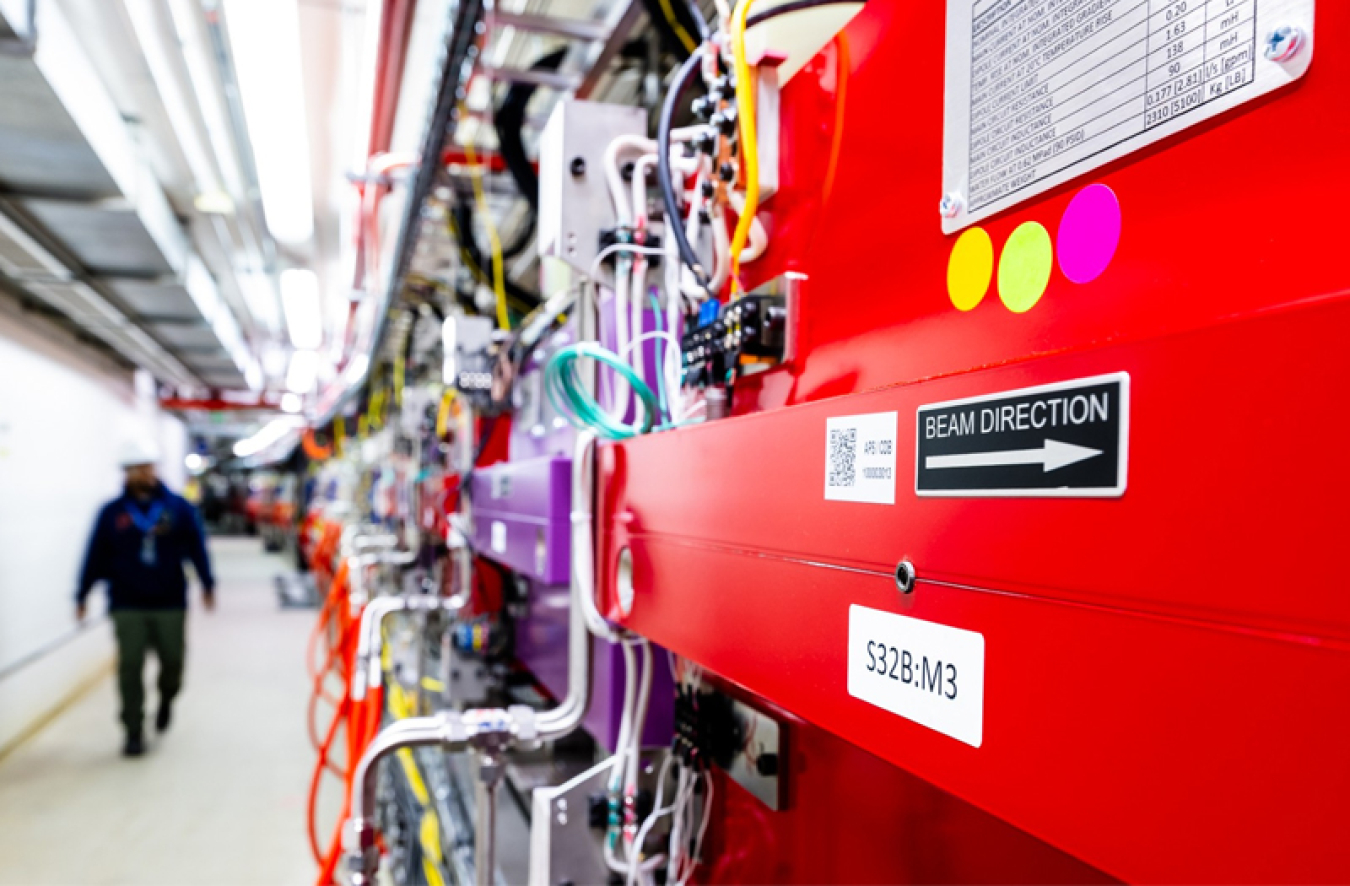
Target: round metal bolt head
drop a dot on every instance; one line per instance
(1284, 43)
(951, 205)
(905, 576)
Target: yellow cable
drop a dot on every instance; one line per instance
(377, 409)
(498, 274)
(678, 28)
(478, 273)
(745, 111)
(429, 835)
(400, 706)
(339, 435)
(399, 370)
(443, 414)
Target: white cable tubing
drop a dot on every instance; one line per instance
(630, 678)
(671, 268)
(656, 814)
(688, 283)
(669, 362)
(702, 828)
(582, 564)
(643, 145)
(622, 281)
(639, 721)
(643, 165)
(677, 827)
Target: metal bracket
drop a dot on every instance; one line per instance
(571, 28)
(548, 79)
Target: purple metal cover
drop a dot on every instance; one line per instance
(541, 645)
(522, 513)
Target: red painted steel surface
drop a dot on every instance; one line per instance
(1166, 673)
(855, 818)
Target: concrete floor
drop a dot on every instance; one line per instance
(219, 799)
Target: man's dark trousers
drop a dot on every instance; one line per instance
(138, 630)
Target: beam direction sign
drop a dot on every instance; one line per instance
(1067, 440)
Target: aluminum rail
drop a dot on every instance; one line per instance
(50, 646)
(586, 30)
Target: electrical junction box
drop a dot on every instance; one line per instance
(574, 203)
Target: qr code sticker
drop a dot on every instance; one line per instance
(843, 456)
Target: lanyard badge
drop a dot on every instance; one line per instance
(146, 524)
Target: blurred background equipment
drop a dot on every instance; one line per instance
(569, 361)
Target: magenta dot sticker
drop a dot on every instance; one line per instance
(1089, 233)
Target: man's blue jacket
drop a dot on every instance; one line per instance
(145, 574)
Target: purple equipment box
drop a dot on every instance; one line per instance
(521, 513)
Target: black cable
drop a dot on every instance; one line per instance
(665, 27)
(509, 121)
(461, 226)
(795, 6)
(674, 227)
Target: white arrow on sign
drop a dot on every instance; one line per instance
(1053, 456)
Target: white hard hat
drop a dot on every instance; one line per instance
(137, 452)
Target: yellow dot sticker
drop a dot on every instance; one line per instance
(1024, 269)
(970, 269)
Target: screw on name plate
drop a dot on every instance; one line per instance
(1284, 43)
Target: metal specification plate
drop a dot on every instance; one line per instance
(1066, 440)
(1041, 91)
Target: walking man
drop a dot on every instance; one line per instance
(139, 543)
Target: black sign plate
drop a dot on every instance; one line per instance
(1063, 440)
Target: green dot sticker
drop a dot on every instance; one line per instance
(1024, 269)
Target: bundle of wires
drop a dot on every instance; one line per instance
(623, 829)
(567, 392)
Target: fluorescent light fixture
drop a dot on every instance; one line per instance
(291, 403)
(193, 461)
(300, 301)
(213, 203)
(155, 34)
(272, 433)
(261, 297)
(304, 372)
(189, 23)
(265, 39)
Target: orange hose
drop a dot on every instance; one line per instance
(314, 783)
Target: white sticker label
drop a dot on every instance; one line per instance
(498, 536)
(860, 458)
(926, 672)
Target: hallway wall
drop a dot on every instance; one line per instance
(64, 412)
